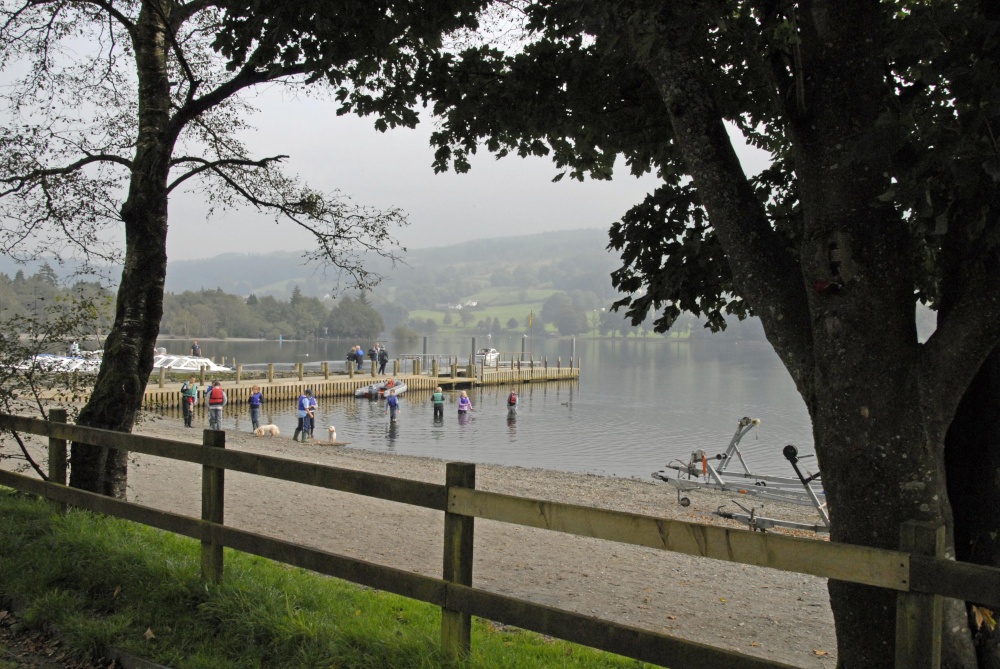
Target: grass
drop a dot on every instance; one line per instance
(100, 582)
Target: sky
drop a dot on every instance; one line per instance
(509, 197)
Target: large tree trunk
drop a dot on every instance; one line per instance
(879, 431)
(972, 462)
(128, 352)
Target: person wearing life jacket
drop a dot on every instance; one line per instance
(305, 423)
(189, 395)
(512, 400)
(215, 398)
(438, 399)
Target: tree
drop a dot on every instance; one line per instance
(882, 191)
(75, 138)
(352, 318)
(512, 323)
(570, 321)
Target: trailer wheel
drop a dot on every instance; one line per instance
(685, 501)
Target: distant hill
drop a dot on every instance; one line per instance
(277, 273)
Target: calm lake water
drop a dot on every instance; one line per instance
(637, 405)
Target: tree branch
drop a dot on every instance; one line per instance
(21, 180)
(206, 165)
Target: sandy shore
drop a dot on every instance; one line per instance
(778, 615)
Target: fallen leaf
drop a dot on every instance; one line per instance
(114, 595)
(820, 653)
(722, 599)
(984, 618)
(149, 634)
(671, 617)
(754, 643)
(4, 614)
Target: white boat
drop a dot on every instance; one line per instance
(187, 363)
(379, 390)
(487, 356)
(89, 363)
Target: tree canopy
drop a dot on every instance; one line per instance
(880, 121)
(113, 105)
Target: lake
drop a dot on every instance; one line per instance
(638, 404)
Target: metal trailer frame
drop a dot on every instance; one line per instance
(700, 473)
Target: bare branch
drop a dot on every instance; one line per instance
(21, 180)
(205, 165)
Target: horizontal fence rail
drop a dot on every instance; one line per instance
(921, 579)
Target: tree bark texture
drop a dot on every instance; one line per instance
(128, 353)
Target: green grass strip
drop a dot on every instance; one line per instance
(99, 582)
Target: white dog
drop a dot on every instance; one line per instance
(333, 433)
(269, 430)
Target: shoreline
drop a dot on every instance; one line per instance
(779, 615)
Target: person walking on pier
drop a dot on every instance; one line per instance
(256, 399)
(189, 396)
(438, 399)
(195, 349)
(383, 358)
(215, 397)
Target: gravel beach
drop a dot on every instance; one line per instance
(773, 614)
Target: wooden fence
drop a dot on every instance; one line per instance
(917, 572)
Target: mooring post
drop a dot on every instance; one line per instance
(919, 616)
(201, 375)
(163, 375)
(270, 372)
(301, 369)
(57, 456)
(434, 367)
(326, 371)
(213, 481)
(456, 627)
(239, 373)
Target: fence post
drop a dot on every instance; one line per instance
(57, 456)
(456, 627)
(270, 372)
(213, 481)
(919, 616)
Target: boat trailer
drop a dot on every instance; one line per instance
(702, 472)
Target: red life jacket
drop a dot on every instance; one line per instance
(215, 396)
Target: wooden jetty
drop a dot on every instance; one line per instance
(164, 388)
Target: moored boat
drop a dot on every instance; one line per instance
(379, 390)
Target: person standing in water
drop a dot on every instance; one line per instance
(438, 399)
(313, 404)
(189, 395)
(464, 404)
(392, 406)
(216, 399)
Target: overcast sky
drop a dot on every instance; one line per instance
(512, 196)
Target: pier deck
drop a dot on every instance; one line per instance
(166, 391)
